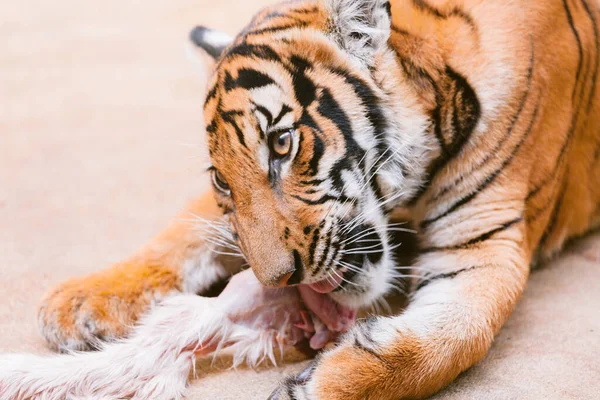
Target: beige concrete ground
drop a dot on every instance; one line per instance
(100, 116)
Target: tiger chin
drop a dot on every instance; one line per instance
(323, 118)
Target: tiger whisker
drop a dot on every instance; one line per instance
(343, 279)
(384, 304)
(359, 250)
(368, 231)
(225, 253)
(369, 178)
(220, 244)
(216, 234)
(361, 216)
(340, 195)
(378, 244)
(350, 267)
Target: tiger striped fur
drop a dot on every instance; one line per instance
(479, 117)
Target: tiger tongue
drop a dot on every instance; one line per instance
(327, 285)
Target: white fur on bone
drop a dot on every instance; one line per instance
(155, 362)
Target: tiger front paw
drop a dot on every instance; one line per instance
(344, 373)
(81, 313)
(372, 361)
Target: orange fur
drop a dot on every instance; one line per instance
(106, 304)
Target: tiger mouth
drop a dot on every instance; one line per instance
(337, 317)
(331, 283)
(360, 246)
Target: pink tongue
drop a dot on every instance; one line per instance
(327, 285)
(336, 317)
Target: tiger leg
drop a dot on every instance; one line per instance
(78, 313)
(460, 304)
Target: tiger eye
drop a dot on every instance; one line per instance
(281, 143)
(219, 182)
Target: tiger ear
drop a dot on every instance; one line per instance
(211, 41)
(360, 27)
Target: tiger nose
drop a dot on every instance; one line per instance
(291, 278)
(294, 276)
(283, 280)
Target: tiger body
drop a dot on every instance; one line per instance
(479, 117)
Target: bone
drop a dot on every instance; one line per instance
(155, 361)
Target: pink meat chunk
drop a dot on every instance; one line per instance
(296, 313)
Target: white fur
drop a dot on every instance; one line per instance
(200, 271)
(217, 38)
(154, 363)
(368, 18)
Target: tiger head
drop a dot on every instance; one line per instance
(313, 139)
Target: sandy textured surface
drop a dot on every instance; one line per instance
(100, 119)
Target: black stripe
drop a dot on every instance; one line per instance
(402, 31)
(459, 138)
(325, 253)
(262, 18)
(310, 10)
(268, 116)
(466, 114)
(476, 240)
(493, 153)
(313, 246)
(322, 200)
(436, 117)
(285, 109)
(329, 108)
(304, 88)
(455, 12)
(554, 216)
(211, 94)
(247, 79)
(229, 117)
(335, 247)
(264, 111)
(423, 6)
(427, 280)
(575, 111)
(424, 80)
(365, 330)
(318, 147)
(491, 178)
(370, 101)
(539, 211)
(298, 274)
(597, 49)
(579, 47)
(273, 29)
(211, 127)
(335, 173)
(290, 393)
(365, 348)
(260, 51)
(312, 182)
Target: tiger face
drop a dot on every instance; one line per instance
(309, 157)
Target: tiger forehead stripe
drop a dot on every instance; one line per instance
(247, 79)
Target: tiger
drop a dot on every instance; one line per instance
(324, 119)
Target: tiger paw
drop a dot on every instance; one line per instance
(81, 313)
